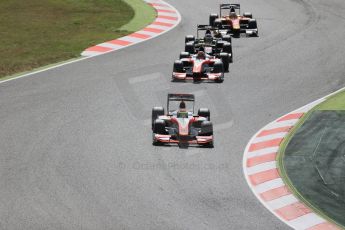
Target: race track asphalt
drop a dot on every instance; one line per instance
(75, 141)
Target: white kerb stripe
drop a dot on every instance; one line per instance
(166, 20)
(171, 14)
(269, 185)
(306, 221)
(158, 27)
(282, 202)
(109, 45)
(91, 53)
(148, 33)
(261, 152)
(306, 108)
(269, 137)
(280, 124)
(162, 7)
(132, 39)
(261, 167)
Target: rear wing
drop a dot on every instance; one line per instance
(228, 7)
(180, 97)
(204, 28)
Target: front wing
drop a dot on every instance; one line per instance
(198, 140)
(206, 76)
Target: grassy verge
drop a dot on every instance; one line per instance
(335, 102)
(36, 33)
(144, 15)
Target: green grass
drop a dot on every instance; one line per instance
(36, 33)
(335, 102)
(144, 14)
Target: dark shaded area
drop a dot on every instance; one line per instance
(315, 162)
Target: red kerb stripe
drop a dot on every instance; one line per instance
(167, 17)
(154, 30)
(275, 193)
(291, 116)
(120, 42)
(324, 226)
(293, 211)
(263, 177)
(274, 131)
(261, 159)
(138, 35)
(162, 24)
(165, 11)
(99, 49)
(265, 144)
(157, 4)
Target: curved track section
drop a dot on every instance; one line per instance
(76, 142)
(261, 170)
(167, 19)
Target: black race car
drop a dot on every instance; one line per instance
(212, 43)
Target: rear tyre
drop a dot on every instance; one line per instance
(218, 23)
(226, 61)
(189, 38)
(213, 17)
(226, 38)
(252, 24)
(184, 55)
(220, 44)
(156, 112)
(247, 15)
(204, 112)
(190, 48)
(218, 67)
(227, 48)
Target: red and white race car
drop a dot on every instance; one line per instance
(200, 67)
(180, 125)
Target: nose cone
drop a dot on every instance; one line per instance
(197, 67)
(236, 24)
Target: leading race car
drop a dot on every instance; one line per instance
(213, 43)
(234, 23)
(200, 67)
(180, 125)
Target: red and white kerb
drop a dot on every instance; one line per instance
(261, 172)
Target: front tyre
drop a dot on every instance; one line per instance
(156, 112)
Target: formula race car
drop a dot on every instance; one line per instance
(200, 67)
(213, 43)
(234, 23)
(180, 125)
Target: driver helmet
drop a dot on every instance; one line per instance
(208, 37)
(182, 112)
(182, 105)
(232, 13)
(201, 55)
